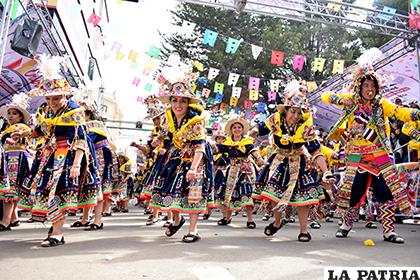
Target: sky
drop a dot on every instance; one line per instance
(135, 26)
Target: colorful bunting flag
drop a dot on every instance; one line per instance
(223, 106)
(253, 94)
(132, 56)
(205, 92)
(136, 81)
(236, 92)
(274, 85)
(213, 72)
(338, 66)
(298, 62)
(247, 104)
(153, 52)
(148, 87)
(119, 56)
(256, 50)
(232, 45)
(254, 83)
(271, 96)
(277, 58)
(210, 37)
(219, 97)
(187, 27)
(261, 107)
(319, 63)
(94, 19)
(233, 101)
(116, 47)
(218, 87)
(387, 17)
(233, 79)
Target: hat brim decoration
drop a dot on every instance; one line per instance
(295, 96)
(155, 108)
(219, 133)
(232, 121)
(183, 87)
(52, 83)
(20, 102)
(26, 115)
(180, 89)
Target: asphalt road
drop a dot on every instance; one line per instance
(127, 249)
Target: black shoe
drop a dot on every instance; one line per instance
(341, 233)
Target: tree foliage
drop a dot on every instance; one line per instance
(292, 37)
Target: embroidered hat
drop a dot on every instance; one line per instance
(219, 133)
(154, 107)
(52, 83)
(20, 103)
(295, 96)
(236, 119)
(184, 87)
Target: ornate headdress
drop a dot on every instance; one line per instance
(52, 83)
(154, 107)
(20, 102)
(295, 96)
(182, 85)
(365, 69)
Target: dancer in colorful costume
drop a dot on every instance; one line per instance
(221, 163)
(289, 178)
(183, 180)
(364, 127)
(237, 191)
(16, 160)
(62, 175)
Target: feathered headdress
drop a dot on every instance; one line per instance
(178, 81)
(295, 96)
(52, 83)
(364, 68)
(154, 107)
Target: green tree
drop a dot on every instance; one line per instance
(291, 37)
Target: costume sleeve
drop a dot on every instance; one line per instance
(268, 125)
(410, 129)
(77, 134)
(197, 135)
(399, 112)
(333, 98)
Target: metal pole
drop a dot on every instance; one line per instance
(5, 23)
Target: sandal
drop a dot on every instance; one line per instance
(165, 218)
(315, 225)
(371, 225)
(206, 216)
(106, 214)
(150, 222)
(329, 219)
(15, 223)
(52, 242)
(95, 227)
(291, 220)
(4, 228)
(167, 224)
(251, 225)
(191, 238)
(394, 238)
(266, 217)
(341, 233)
(271, 229)
(304, 237)
(174, 229)
(124, 211)
(224, 221)
(78, 224)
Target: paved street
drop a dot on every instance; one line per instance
(127, 249)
